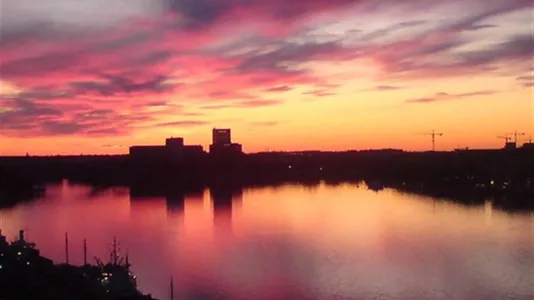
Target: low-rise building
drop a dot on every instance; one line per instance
(174, 149)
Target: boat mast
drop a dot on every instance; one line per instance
(66, 248)
(84, 252)
(172, 289)
(114, 253)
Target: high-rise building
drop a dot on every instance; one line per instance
(221, 136)
(222, 143)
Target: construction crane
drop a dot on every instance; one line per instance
(434, 134)
(506, 138)
(516, 134)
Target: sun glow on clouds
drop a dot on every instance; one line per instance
(317, 74)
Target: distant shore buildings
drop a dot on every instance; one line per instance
(222, 147)
(514, 146)
(528, 145)
(175, 148)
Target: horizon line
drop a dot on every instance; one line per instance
(284, 152)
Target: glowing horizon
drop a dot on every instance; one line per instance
(314, 75)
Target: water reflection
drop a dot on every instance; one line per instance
(175, 204)
(290, 242)
(224, 199)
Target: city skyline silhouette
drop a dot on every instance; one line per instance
(266, 149)
(316, 75)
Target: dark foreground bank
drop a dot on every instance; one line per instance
(26, 275)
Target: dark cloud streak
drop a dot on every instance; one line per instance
(182, 124)
(278, 89)
(115, 84)
(446, 96)
(386, 88)
(526, 81)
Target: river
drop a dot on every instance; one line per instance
(290, 242)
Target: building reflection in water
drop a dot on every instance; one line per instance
(175, 203)
(224, 200)
(171, 200)
(488, 212)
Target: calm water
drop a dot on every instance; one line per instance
(292, 242)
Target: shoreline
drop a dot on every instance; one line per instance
(468, 177)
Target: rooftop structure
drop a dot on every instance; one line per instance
(174, 142)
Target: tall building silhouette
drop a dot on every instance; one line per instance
(175, 202)
(221, 136)
(222, 143)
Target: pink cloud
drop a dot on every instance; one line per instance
(201, 54)
(244, 104)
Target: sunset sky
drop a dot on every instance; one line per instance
(95, 76)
